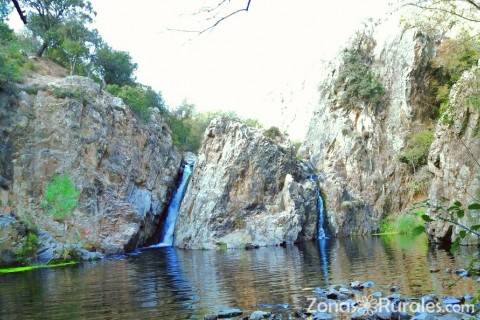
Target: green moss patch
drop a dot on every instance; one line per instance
(36, 266)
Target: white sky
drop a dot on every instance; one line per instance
(256, 64)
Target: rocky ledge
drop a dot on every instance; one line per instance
(246, 190)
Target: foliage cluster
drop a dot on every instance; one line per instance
(28, 248)
(188, 125)
(405, 224)
(141, 99)
(272, 133)
(61, 31)
(13, 61)
(356, 79)
(416, 151)
(454, 56)
(60, 197)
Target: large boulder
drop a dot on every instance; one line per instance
(246, 190)
(124, 169)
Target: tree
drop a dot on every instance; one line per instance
(115, 67)
(5, 9)
(46, 18)
(76, 43)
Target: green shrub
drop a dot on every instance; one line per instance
(60, 197)
(360, 85)
(419, 186)
(416, 151)
(253, 123)
(29, 248)
(141, 99)
(405, 224)
(188, 126)
(446, 113)
(272, 133)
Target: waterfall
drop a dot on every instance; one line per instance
(174, 207)
(321, 217)
(321, 228)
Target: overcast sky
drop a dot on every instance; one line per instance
(257, 63)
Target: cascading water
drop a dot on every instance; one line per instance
(174, 208)
(321, 229)
(321, 217)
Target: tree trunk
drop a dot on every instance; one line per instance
(42, 49)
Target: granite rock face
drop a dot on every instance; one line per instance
(454, 158)
(246, 190)
(124, 169)
(355, 147)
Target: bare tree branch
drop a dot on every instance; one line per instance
(246, 8)
(441, 10)
(473, 3)
(20, 12)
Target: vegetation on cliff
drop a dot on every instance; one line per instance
(356, 79)
(60, 197)
(416, 150)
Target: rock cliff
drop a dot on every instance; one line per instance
(454, 157)
(246, 190)
(123, 169)
(355, 144)
(361, 143)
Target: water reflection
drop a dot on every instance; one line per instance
(323, 254)
(179, 284)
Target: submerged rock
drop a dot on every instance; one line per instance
(246, 190)
(322, 316)
(451, 300)
(258, 315)
(229, 313)
(462, 273)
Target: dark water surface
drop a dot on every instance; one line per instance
(168, 283)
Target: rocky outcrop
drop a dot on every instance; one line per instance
(454, 157)
(123, 169)
(246, 190)
(355, 145)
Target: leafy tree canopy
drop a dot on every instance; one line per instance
(115, 67)
(47, 18)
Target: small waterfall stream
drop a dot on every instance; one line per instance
(321, 227)
(174, 208)
(321, 233)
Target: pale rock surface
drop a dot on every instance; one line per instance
(246, 190)
(356, 150)
(125, 170)
(454, 158)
